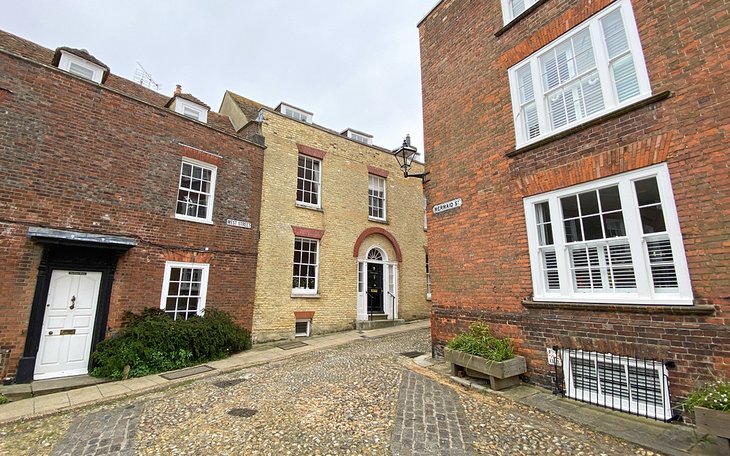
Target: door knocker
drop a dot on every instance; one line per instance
(73, 302)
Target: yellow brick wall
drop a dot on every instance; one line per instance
(343, 217)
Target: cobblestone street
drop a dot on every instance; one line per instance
(362, 398)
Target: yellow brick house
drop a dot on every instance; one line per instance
(342, 240)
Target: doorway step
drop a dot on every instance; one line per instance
(377, 321)
(42, 387)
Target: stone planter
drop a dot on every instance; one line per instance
(717, 423)
(501, 374)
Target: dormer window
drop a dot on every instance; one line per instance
(80, 63)
(295, 113)
(188, 106)
(358, 136)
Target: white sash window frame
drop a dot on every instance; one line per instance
(646, 292)
(530, 97)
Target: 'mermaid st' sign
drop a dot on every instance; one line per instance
(447, 206)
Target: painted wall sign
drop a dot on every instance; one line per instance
(447, 206)
(239, 223)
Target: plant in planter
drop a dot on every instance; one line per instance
(478, 353)
(710, 404)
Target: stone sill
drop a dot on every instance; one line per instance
(305, 296)
(311, 208)
(591, 123)
(703, 309)
(381, 221)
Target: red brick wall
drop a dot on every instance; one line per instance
(76, 156)
(479, 259)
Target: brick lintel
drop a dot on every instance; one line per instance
(311, 151)
(377, 172)
(310, 233)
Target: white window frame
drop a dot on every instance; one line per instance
(191, 110)
(428, 278)
(309, 327)
(306, 291)
(608, 89)
(296, 113)
(211, 195)
(507, 14)
(378, 181)
(602, 398)
(644, 292)
(68, 59)
(169, 266)
(317, 182)
(359, 137)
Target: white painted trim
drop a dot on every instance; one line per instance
(182, 104)
(169, 265)
(644, 294)
(384, 181)
(307, 292)
(67, 59)
(318, 182)
(211, 200)
(610, 99)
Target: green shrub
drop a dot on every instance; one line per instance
(152, 342)
(480, 342)
(715, 395)
(3, 399)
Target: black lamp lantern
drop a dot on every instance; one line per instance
(405, 155)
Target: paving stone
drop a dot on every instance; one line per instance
(104, 432)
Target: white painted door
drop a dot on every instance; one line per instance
(68, 324)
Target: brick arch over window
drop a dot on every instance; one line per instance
(377, 230)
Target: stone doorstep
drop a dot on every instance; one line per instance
(377, 324)
(37, 388)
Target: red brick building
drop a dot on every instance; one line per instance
(588, 143)
(115, 198)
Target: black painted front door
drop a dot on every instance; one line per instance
(375, 288)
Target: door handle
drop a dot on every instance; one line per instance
(73, 302)
(50, 333)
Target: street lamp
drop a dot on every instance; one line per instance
(405, 154)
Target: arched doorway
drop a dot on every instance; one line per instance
(377, 286)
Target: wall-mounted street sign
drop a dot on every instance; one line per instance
(447, 206)
(238, 223)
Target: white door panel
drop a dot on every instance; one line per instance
(68, 324)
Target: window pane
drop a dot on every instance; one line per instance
(614, 34)
(610, 200)
(573, 232)
(570, 206)
(613, 224)
(652, 219)
(647, 191)
(592, 227)
(588, 203)
(624, 75)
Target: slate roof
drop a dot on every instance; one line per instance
(186, 96)
(250, 108)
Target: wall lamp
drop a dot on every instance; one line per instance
(405, 154)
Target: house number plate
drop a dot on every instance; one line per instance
(68, 332)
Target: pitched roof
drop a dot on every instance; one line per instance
(43, 55)
(186, 96)
(250, 108)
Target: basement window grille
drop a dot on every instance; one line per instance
(636, 386)
(302, 328)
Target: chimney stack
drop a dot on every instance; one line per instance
(178, 89)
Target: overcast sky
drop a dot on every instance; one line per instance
(352, 63)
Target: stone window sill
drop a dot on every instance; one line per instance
(703, 309)
(305, 296)
(311, 208)
(381, 221)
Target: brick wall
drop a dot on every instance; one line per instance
(478, 254)
(343, 217)
(83, 157)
